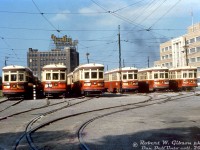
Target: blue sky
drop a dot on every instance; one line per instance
(144, 24)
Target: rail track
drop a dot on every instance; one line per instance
(36, 108)
(120, 108)
(14, 104)
(30, 124)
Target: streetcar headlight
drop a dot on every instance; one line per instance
(185, 81)
(100, 84)
(125, 83)
(87, 84)
(135, 83)
(6, 86)
(48, 85)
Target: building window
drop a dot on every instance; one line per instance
(198, 39)
(170, 47)
(192, 40)
(198, 49)
(166, 48)
(163, 57)
(192, 60)
(192, 50)
(170, 55)
(198, 59)
(166, 56)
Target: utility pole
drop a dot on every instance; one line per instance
(186, 52)
(120, 66)
(148, 61)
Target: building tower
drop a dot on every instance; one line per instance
(63, 50)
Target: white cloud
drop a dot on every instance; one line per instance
(61, 16)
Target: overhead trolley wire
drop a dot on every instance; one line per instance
(3, 39)
(45, 17)
(50, 13)
(165, 14)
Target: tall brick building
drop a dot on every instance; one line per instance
(63, 51)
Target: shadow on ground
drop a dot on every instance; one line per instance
(169, 138)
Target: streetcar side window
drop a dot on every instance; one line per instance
(135, 76)
(195, 74)
(6, 77)
(55, 76)
(106, 77)
(178, 74)
(21, 77)
(48, 76)
(100, 75)
(114, 77)
(190, 75)
(166, 75)
(124, 76)
(155, 75)
(87, 75)
(184, 75)
(162, 75)
(62, 76)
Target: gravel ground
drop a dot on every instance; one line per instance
(117, 131)
(172, 125)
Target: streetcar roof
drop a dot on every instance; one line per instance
(90, 65)
(70, 74)
(11, 67)
(54, 66)
(122, 69)
(153, 69)
(183, 68)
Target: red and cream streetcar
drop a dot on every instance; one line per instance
(70, 82)
(54, 80)
(183, 78)
(88, 79)
(151, 79)
(17, 82)
(126, 76)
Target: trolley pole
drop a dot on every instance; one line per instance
(120, 66)
(87, 54)
(148, 61)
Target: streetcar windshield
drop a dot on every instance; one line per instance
(13, 77)
(55, 76)
(130, 76)
(94, 75)
(48, 76)
(6, 77)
